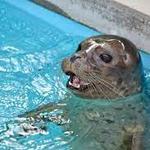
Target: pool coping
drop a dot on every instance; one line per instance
(115, 18)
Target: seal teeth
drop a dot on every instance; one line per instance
(74, 85)
(75, 82)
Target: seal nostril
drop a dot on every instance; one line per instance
(73, 58)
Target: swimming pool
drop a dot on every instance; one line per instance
(33, 42)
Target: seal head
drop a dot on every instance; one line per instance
(105, 67)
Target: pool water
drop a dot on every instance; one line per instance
(33, 42)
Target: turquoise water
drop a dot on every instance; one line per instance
(33, 42)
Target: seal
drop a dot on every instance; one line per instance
(104, 66)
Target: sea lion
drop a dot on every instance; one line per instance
(106, 71)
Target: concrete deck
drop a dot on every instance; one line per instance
(128, 18)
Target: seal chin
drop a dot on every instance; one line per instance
(76, 83)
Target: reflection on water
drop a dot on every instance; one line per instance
(31, 52)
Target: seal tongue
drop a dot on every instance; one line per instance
(76, 82)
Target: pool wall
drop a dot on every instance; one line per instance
(107, 16)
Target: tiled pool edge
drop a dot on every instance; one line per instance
(107, 16)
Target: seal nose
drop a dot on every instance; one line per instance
(73, 58)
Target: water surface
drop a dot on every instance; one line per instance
(31, 51)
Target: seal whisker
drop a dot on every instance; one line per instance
(116, 91)
(92, 78)
(101, 79)
(99, 88)
(105, 93)
(107, 84)
(96, 77)
(102, 91)
(89, 89)
(112, 89)
(95, 88)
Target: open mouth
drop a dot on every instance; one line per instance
(75, 82)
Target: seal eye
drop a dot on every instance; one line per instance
(106, 58)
